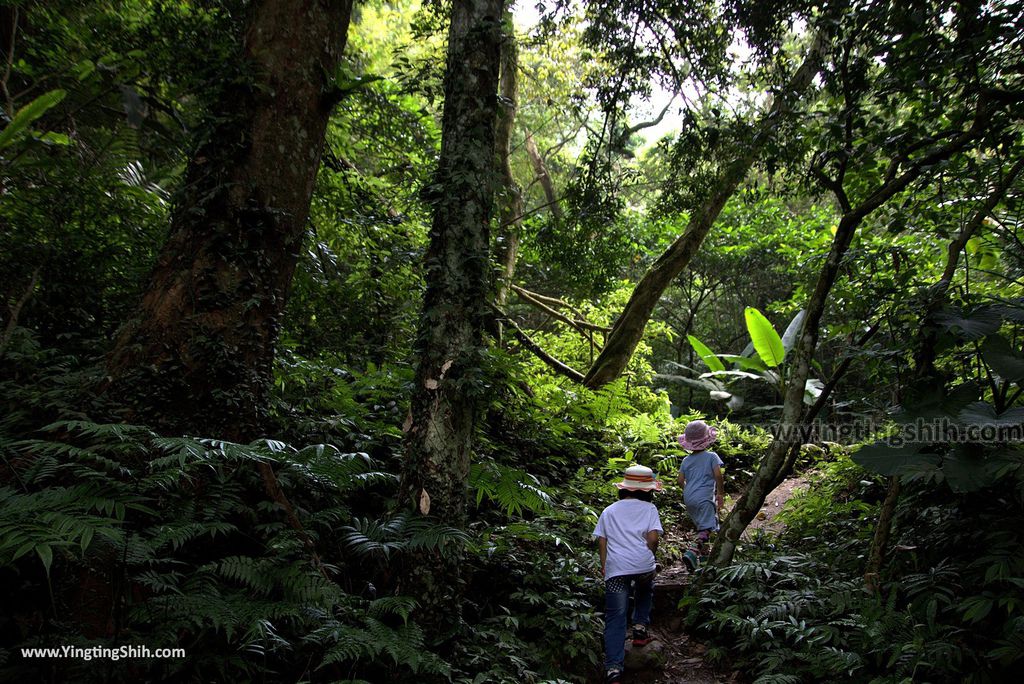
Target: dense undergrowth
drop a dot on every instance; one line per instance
(795, 609)
(115, 535)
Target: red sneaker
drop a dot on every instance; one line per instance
(641, 636)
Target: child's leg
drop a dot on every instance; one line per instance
(616, 602)
(702, 542)
(644, 598)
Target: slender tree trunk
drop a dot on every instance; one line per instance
(778, 462)
(198, 356)
(446, 397)
(880, 540)
(771, 469)
(924, 363)
(629, 327)
(540, 170)
(510, 206)
(15, 312)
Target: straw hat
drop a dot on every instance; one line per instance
(697, 436)
(639, 479)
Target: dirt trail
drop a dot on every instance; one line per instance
(684, 656)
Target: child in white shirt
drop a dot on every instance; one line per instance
(627, 534)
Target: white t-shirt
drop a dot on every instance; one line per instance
(625, 525)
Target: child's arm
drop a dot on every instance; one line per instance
(652, 541)
(719, 487)
(602, 551)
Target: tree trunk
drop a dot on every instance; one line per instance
(510, 210)
(540, 170)
(771, 469)
(199, 355)
(880, 540)
(778, 462)
(629, 327)
(924, 364)
(446, 397)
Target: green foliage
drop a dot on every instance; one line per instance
(767, 367)
(214, 563)
(105, 101)
(764, 338)
(209, 568)
(709, 358)
(28, 114)
(513, 490)
(957, 436)
(949, 609)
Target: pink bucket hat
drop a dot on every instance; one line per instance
(639, 479)
(697, 436)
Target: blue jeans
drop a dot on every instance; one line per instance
(616, 609)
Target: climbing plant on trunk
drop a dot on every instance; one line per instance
(447, 392)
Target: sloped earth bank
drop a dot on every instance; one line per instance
(682, 655)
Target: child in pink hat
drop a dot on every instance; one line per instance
(700, 476)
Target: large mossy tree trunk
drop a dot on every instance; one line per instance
(198, 355)
(450, 343)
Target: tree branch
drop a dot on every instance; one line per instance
(538, 351)
(12, 322)
(537, 301)
(647, 124)
(630, 325)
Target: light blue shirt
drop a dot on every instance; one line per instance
(699, 491)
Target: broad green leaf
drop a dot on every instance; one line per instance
(86, 538)
(744, 362)
(1012, 310)
(766, 341)
(981, 413)
(55, 138)
(706, 355)
(966, 470)
(974, 325)
(1007, 362)
(792, 330)
(930, 402)
(45, 555)
(29, 113)
(891, 460)
(976, 608)
(23, 549)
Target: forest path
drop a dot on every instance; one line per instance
(684, 656)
